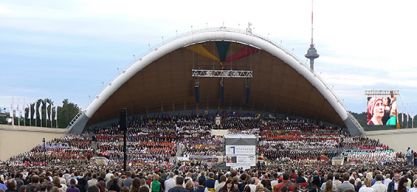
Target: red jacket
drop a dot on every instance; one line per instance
(286, 183)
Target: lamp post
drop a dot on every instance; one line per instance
(44, 150)
(123, 127)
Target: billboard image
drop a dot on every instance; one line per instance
(382, 110)
(238, 156)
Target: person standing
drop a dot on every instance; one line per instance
(409, 156)
(367, 186)
(229, 186)
(346, 185)
(414, 189)
(155, 184)
(169, 183)
(73, 187)
(402, 185)
(128, 181)
(179, 181)
(378, 185)
(393, 186)
(11, 186)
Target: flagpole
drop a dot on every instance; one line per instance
(18, 115)
(46, 114)
(50, 114)
(24, 117)
(29, 117)
(49, 118)
(24, 112)
(56, 117)
(34, 114)
(40, 112)
(12, 111)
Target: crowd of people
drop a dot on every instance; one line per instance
(193, 177)
(157, 139)
(298, 151)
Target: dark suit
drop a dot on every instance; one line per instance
(391, 187)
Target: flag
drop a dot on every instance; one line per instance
(17, 111)
(50, 112)
(24, 115)
(40, 110)
(34, 113)
(56, 113)
(46, 111)
(29, 112)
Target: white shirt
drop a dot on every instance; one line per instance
(414, 189)
(379, 187)
(108, 177)
(252, 187)
(92, 182)
(336, 184)
(64, 187)
(334, 187)
(387, 181)
(366, 189)
(169, 184)
(396, 186)
(62, 180)
(219, 186)
(273, 183)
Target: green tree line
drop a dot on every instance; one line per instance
(46, 109)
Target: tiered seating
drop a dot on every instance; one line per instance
(154, 140)
(298, 139)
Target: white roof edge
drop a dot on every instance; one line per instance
(217, 35)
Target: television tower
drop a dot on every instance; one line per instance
(312, 52)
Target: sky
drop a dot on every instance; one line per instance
(71, 49)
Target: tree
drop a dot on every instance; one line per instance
(45, 108)
(361, 117)
(66, 113)
(3, 117)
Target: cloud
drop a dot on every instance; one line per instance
(362, 44)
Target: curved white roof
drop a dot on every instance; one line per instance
(218, 34)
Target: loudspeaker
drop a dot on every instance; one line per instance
(123, 119)
(197, 93)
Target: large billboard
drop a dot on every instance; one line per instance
(382, 108)
(240, 156)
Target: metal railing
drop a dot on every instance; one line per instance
(74, 119)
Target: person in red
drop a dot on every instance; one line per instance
(285, 183)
